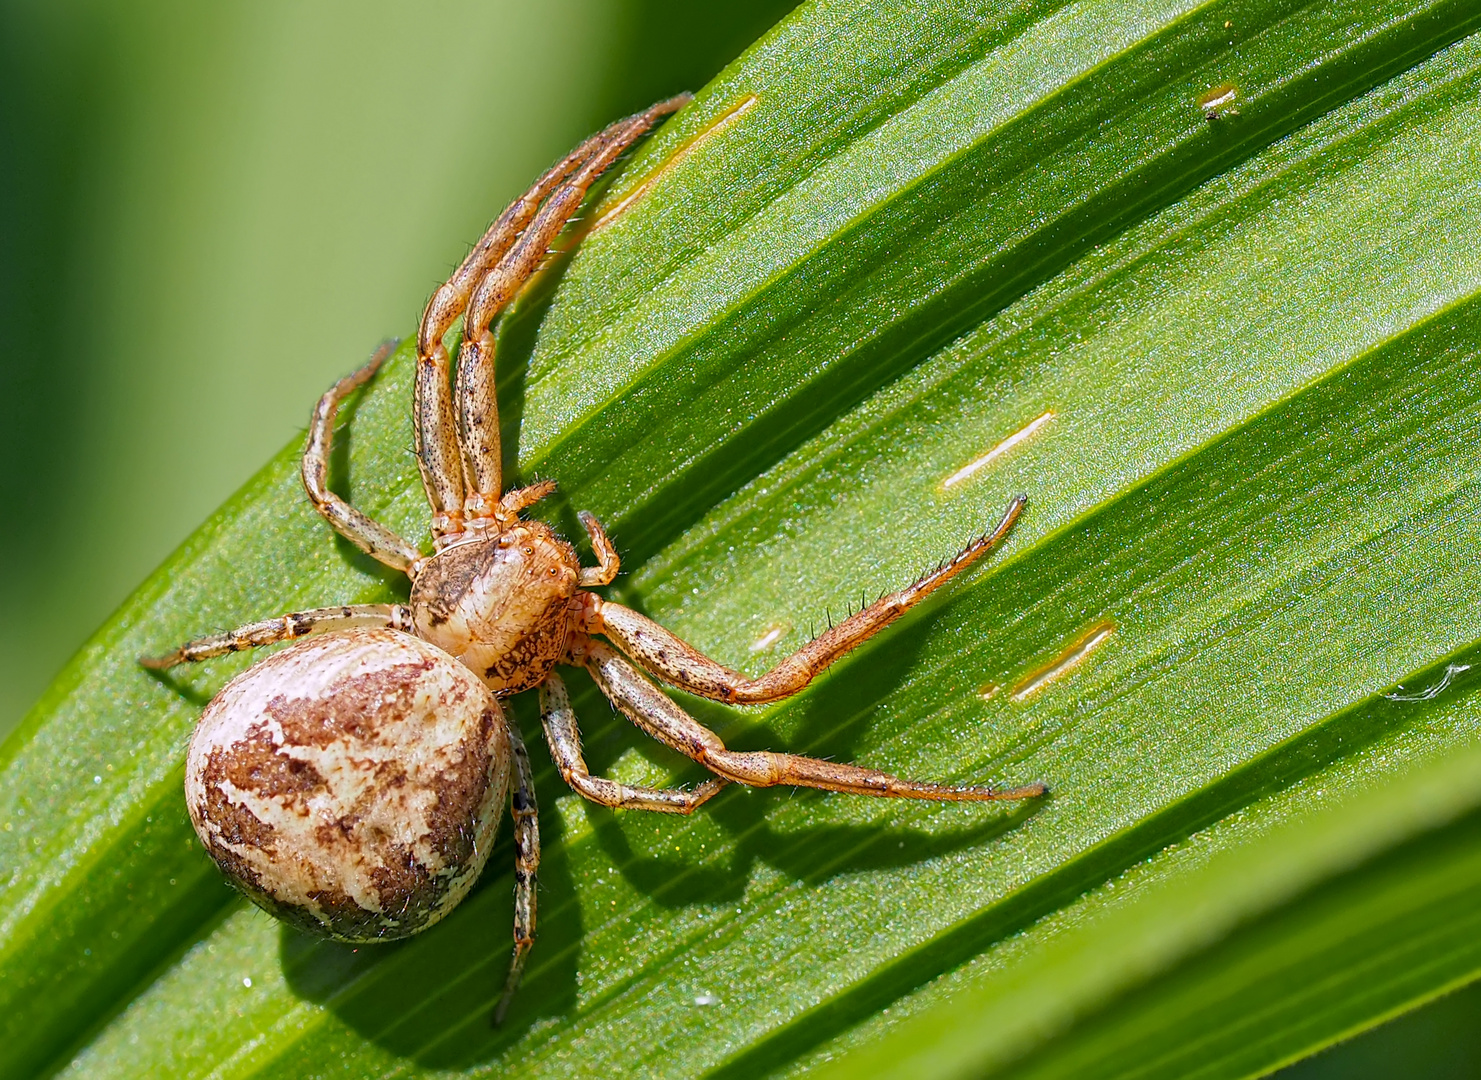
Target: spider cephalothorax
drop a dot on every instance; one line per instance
(351, 783)
(500, 604)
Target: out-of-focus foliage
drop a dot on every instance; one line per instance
(210, 211)
(1440, 1042)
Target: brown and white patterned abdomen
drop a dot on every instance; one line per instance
(352, 783)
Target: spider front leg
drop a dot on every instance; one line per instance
(296, 624)
(652, 711)
(435, 423)
(675, 661)
(561, 732)
(457, 441)
(477, 405)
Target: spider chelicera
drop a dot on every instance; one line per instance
(351, 784)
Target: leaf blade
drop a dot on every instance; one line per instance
(822, 866)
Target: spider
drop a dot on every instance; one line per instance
(351, 783)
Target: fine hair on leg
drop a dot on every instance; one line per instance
(526, 861)
(288, 627)
(561, 732)
(652, 711)
(368, 535)
(666, 655)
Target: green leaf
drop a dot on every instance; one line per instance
(1243, 351)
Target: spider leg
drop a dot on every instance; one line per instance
(296, 624)
(526, 862)
(435, 429)
(477, 405)
(516, 499)
(369, 536)
(652, 711)
(436, 436)
(674, 660)
(564, 738)
(605, 571)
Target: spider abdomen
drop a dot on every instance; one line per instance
(352, 783)
(500, 605)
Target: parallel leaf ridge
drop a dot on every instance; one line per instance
(1255, 337)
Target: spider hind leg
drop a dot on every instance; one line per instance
(664, 654)
(652, 711)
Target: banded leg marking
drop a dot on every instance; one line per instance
(526, 862)
(561, 732)
(664, 654)
(652, 711)
(295, 624)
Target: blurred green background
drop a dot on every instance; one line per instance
(210, 211)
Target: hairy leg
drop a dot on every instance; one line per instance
(435, 423)
(674, 660)
(477, 405)
(517, 499)
(296, 624)
(526, 862)
(605, 571)
(564, 738)
(368, 535)
(652, 711)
